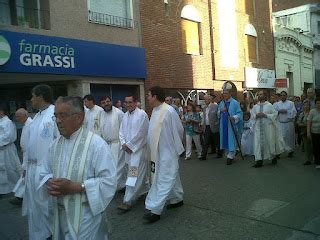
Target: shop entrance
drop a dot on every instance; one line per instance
(18, 95)
(116, 92)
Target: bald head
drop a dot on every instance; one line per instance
(21, 115)
(207, 99)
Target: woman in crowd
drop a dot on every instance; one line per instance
(302, 125)
(313, 131)
(192, 122)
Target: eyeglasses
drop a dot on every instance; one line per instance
(62, 116)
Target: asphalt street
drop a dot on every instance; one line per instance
(221, 202)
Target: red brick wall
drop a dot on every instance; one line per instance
(169, 67)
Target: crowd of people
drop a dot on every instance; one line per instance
(77, 155)
(259, 128)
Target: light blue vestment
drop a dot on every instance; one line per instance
(227, 136)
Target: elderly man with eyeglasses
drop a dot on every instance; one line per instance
(80, 175)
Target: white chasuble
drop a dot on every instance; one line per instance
(268, 141)
(74, 171)
(165, 141)
(155, 133)
(83, 158)
(133, 133)
(108, 128)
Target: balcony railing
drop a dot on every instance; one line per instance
(106, 19)
(23, 16)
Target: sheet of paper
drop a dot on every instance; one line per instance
(131, 181)
(44, 180)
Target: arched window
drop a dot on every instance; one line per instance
(251, 43)
(190, 22)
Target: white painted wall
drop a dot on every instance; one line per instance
(292, 54)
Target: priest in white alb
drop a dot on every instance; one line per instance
(133, 138)
(80, 174)
(43, 130)
(165, 136)
(268, 141)
(108, 126)
(91, 112)
(23, 118)
(286, 116)
(10, 167)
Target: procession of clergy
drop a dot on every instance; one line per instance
(75, 158)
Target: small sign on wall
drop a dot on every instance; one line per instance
(282, 82)
(259, 78)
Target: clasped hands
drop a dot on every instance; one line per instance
(59, 187)
(260, 115)
(283, 111)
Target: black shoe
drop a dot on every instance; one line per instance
(219, 155)
(229, 161)
(175, 205)
(16, 201)
(307, 163)
(258, 164)
(151, 217)
(202, 158)
(274, 161)
(290, 154)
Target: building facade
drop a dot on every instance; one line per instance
(304, 19)
(294, 61)
(279, 5)
(77, 47)
(197, 45)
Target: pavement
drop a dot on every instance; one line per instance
(221, 202)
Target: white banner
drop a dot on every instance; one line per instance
(260, 78)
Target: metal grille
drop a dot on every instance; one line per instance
(106, 19)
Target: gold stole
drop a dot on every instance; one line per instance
(77, 170)
(155, 139)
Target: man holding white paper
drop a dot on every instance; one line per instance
(133, 139)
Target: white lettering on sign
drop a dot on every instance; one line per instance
(41, 55)
(37, 60)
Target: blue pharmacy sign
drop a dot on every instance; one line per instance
(30, 53)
